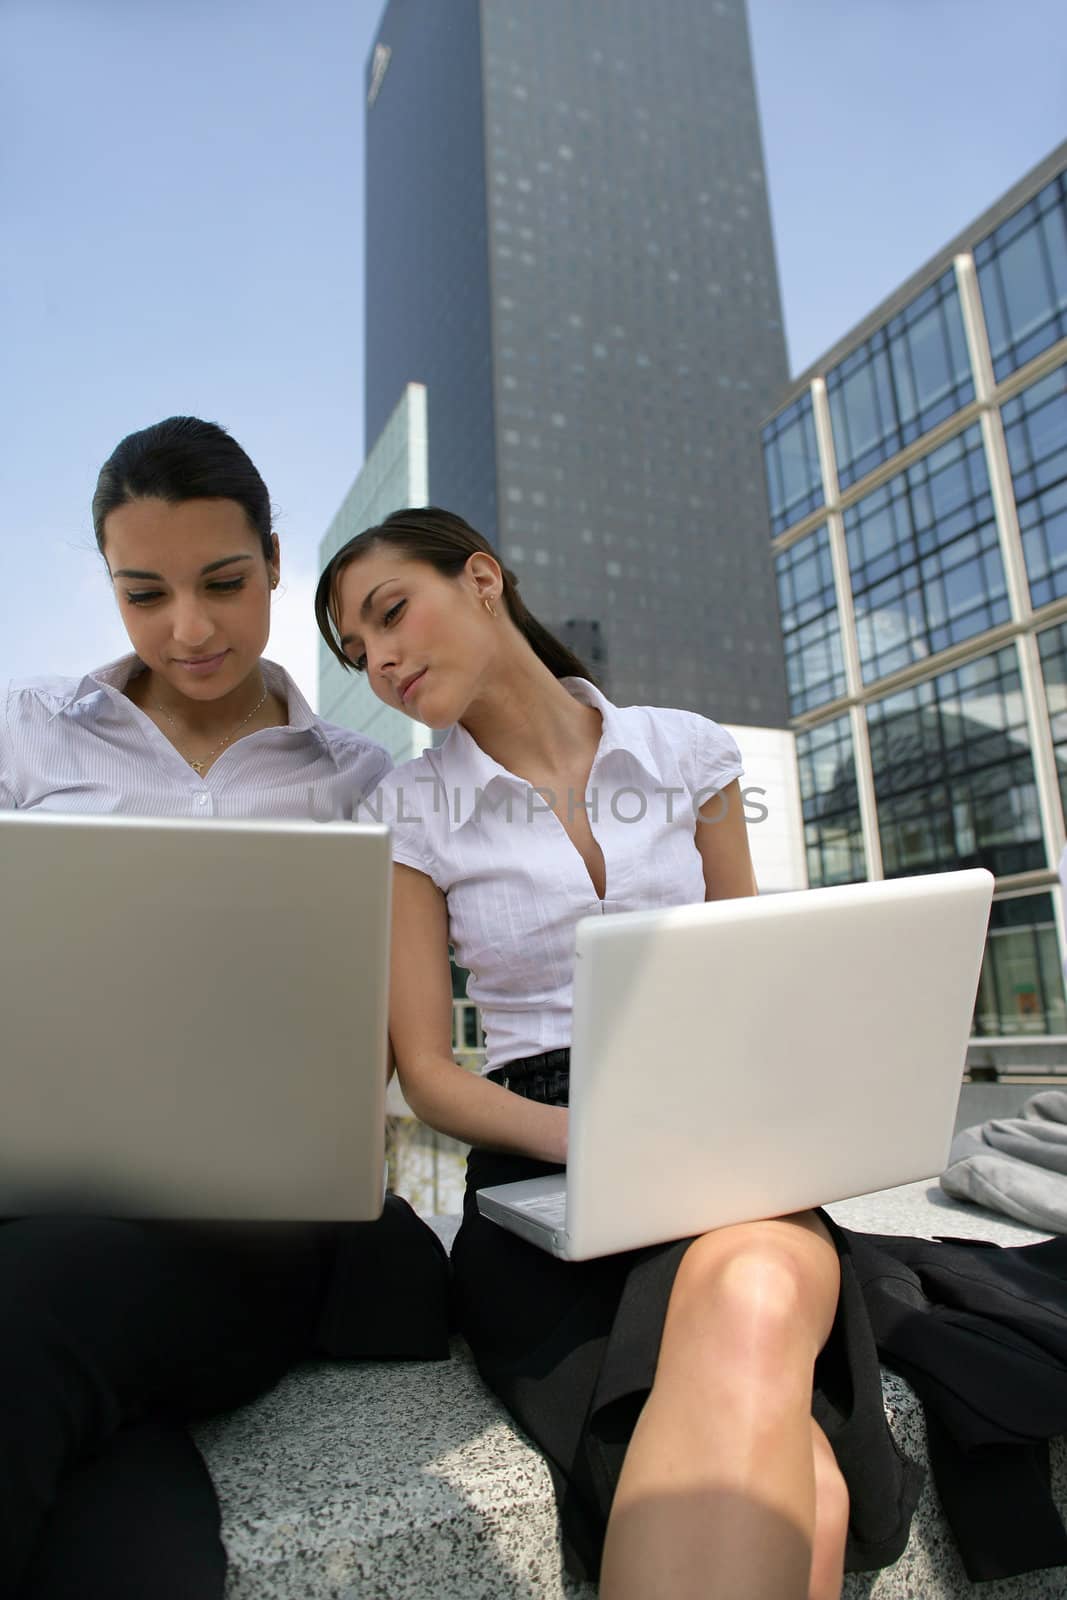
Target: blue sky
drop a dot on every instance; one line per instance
(181, 190)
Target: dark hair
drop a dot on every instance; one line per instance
(182, 459)
(445, 542)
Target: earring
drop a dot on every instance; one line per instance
(274, 583)
(488, 604)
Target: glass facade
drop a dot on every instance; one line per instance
(1022, 274)
(908, 376)
(791, 461)
(1021, 987)
(1052, 644)
(924, 560)
(952, 554)
(393, 475)
(815, 669)
(953, 773)
(1035, 430)
(833, 836)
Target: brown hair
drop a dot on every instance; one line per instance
(446, 543)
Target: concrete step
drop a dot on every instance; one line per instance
(381, 1482)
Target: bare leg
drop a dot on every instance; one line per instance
(717, 1496)
(831, 1521)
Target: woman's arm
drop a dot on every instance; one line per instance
(722, 839)
(447, 1096)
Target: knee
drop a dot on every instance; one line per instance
(750, 1291)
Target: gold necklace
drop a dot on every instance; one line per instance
(198, 766)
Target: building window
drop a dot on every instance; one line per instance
(1021, 987)
(1022, 274)
(815, 668)
(791, 461)
(1035, 429)
(925, 564)
(833, 835)
(953, 774)
(1052, 643)
(908, 376)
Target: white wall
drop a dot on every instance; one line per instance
(777, 838)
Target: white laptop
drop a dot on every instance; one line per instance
(750, 1058)
(193, 1017)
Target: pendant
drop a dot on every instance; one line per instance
(198, 767)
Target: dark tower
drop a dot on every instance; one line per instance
(569, 243)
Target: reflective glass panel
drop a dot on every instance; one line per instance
(1035, 429)
(908, 376)
(924, 559)
(833, 836)
(1052, 643)
(811, 631)
(1022, 274)
(1021, 987)
(791, 460)
(953, 773)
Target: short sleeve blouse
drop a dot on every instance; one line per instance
(82, 746)
(515, 885)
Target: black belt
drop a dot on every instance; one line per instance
(545, 1077)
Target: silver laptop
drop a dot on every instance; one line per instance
(193, 1017)
(750, 1058)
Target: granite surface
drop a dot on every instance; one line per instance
(368, 1481)
(926, 1211)
(383, 1482)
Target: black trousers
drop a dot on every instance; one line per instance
(113, 1335)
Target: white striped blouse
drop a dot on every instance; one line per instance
(83, 747)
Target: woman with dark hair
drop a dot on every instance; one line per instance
(114, 1333)
(194, 722)
(671, 1389)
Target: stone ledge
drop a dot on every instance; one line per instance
(381, 1482)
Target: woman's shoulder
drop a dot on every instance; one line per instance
(408, 800)
(354, 752)
(407, 793)
(425, 766)
(46, 694)
(30, 711)
(675, 727)
(705, 751)
(350, 746)
(25, 698)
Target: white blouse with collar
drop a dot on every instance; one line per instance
(515, 884)
(84, 747)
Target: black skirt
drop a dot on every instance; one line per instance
(571, 1349)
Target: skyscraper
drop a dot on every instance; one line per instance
(568, 243)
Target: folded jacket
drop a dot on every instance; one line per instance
(1017, 1165)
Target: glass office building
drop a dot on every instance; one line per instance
(568, 242)
(393, 475)
(917, 479)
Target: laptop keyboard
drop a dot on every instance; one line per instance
(549, 1209)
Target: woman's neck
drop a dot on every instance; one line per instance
(530, 724)
(203, 720)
